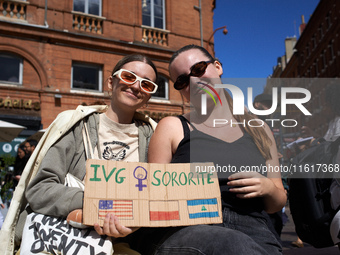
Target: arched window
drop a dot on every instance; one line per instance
(163, 88)
(11, 67)
(153, 13)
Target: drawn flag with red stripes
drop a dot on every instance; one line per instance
(121, 208)
(164, 210)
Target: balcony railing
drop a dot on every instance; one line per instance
(13, 9)
(155, 36)
(88, 23)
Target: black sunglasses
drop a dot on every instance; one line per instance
(197, 70)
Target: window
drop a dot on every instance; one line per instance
(314, 42)
(153, 13)
(11, 68)
(328, 20)
(93, 7)
(331, 51)
(163, 88)
(320, 32)
(323, 55)
(308, 50)
(316, 68)
(86, 77)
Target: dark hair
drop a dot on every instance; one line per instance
(22, 146)
(191, 47)
(132, 58)
(259, 135)
(32, 142)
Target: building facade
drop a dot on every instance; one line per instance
(57, 54)
(316, 54)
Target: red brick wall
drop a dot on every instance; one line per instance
(48, 52)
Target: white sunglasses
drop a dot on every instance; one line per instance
(129, 77)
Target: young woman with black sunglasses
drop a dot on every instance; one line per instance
(194, 138)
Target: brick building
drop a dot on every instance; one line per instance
(57, 54)
(316, 54)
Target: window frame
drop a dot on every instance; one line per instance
(21, 68)
(86, 7)
(152, 15)
(166, 83)
(88, 65)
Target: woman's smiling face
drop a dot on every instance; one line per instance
(131, 95)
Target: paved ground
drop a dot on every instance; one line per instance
(289, 235)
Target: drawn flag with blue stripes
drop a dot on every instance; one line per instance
(202, 208)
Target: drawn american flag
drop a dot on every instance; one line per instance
(121, 208)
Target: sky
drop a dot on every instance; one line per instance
(256, 33)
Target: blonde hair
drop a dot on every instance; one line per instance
(259, 135)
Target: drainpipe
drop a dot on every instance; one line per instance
(46, 24)
(199, 8)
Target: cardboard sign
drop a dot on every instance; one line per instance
(144, 195)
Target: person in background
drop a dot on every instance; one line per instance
(19, 165)
(30, 145)
(193, 138)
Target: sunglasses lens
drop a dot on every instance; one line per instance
(182, 82)
(148, 86)
(128, 77)
(198, 69)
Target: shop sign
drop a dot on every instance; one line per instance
(28, 104)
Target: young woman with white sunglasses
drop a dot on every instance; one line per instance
(115, 132)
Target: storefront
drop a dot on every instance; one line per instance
(24, 112)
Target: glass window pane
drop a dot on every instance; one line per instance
(146, 20)
(158, 23)
(158, 2)
(85, 77)
(162, 87)
(10, 68)
(94, 7)
(146, 7)
(79, 5)
(158, 11)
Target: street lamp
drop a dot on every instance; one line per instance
(225, 31)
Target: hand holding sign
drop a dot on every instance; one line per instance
(112, 227)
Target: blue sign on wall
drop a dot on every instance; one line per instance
(11, 147)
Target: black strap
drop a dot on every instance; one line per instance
(185, 123)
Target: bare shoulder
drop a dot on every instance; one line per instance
(268, 131)
(165, 140)
(170, 129)
(170, 123)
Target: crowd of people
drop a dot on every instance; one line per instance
(252, 203)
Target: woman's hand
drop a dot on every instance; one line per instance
(249, 185)
(113, 228)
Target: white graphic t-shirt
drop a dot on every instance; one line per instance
(117, 141)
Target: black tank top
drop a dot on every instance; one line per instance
(197, 146)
